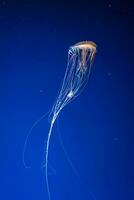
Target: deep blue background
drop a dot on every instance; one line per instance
(96, 129)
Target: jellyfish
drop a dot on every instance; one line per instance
(80, 60)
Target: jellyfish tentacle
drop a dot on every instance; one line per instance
(80, 59)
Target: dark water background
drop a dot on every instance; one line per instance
(96, 129)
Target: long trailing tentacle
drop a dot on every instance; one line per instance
(90, 194)
(46, 156)
(28, 136)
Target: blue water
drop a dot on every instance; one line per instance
(96, 128)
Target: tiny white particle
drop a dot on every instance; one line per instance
(109, 5)
(70, 94)
(41, 91)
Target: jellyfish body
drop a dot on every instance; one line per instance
(80, 59)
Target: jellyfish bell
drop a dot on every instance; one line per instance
(89, 45)
(83, 46)
(83, 53)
